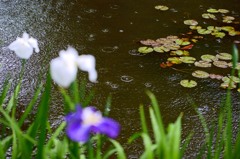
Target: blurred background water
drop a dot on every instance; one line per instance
(111, 30)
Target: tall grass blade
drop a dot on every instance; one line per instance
(143, 120)
(30, 106)
(148, 153)
(6, 87)
(42, 117)
(119, 149)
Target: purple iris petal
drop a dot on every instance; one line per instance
(109, 127)
(78, 132)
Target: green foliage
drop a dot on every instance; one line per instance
(165, 142)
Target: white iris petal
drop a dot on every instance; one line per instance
(87, 63)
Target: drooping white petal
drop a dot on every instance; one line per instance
(63, 72)
(87, 63)
(33, 42)
(70, 54)
(25, 36)
(21, 48)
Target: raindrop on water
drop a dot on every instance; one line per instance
(105, 30)
(109, 49)
(148, 84)
(126, 78)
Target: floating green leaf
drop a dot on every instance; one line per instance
(187, 59)
(161, 7)
(190, 22)
(202, 64)
(209, 16)
(212, 10)
(237, 66)
(208, 58)
(145, 50)
(159, 49)
(223, 11)
(234, 79)
(221, 64)
(234, 33)
(174, 60)
(204, 31)
(188, 83)
(230, 85)
(195, 27)
(218, 34)
(224, 56)
(180, 53)
(200, 74)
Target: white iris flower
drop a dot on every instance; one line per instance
(24, 47)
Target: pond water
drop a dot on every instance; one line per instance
(111, 31)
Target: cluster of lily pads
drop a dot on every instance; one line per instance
(178, 48)
(217, 31)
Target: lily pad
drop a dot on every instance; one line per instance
(230, 85)
(227, 28)
(209, 16)
(224, 56)
(228, 18)
(234, 79)
(223, 11)
(211, 10)
(148, 42)
(200, 74)
(221, 64)
(174, 60)
(208, 58)
(237, 66)
(214, 76)
(145, 50)
(187, 59)
(159, 49)
(195, 27)
(234, 33)
(204, 31)
(181, 53)
(188, 83)
(161, 7)
(203, 64)
(219, 34)
(190, 22)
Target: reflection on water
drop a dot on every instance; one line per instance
(111, 30)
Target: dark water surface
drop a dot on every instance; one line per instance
(110, 30)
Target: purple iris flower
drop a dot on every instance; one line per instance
(84, 121)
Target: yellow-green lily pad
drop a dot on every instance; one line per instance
(202, 64)
(204, 31)
(161, 7)
(221, 64)
(209, 16)
(188, 83)
(227, 28)
(145, 50)
(212, 10)
(208, 58)
(230, 85)
(237, 66)
(187, 59)
(224, 56)
(223, 11)
(200, 74)
(190, 22)
(174, 60)
(195, 27)
(159, 49)
(234, 33)
(219, 34)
